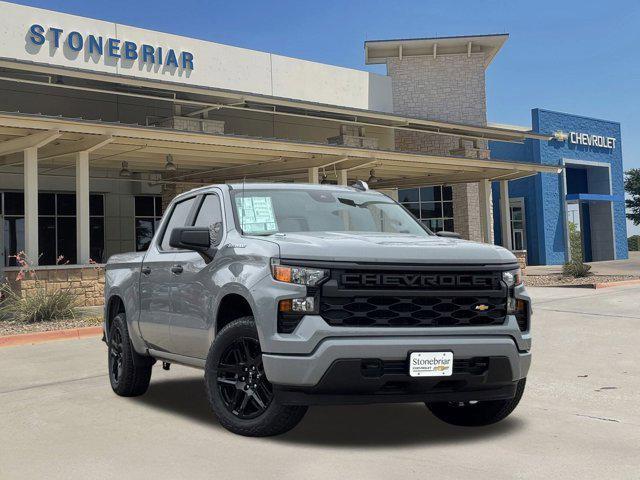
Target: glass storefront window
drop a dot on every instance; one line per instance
(148, 212)
(432, 205)
(56, 227)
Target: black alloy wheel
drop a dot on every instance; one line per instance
(115, 356)
(242, 384)
(128, 377)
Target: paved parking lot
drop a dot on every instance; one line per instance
(579, 417)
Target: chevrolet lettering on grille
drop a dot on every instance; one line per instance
(419, 280)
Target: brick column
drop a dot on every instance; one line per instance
(448, 88)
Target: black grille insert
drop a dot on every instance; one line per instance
(413, 311)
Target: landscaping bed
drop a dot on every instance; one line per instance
(559, 280)
(9, 327)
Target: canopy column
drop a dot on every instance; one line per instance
(314, 175)
(484, 192)
(505, 214)
(31, 247)
(82, 208)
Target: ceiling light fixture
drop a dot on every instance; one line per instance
(169, 165)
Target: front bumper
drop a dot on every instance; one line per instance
(312, 373)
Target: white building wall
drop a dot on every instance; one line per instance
(215, 65)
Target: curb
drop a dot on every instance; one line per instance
(615, 284)
(51, 335)
(619, 283)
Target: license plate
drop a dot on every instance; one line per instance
(431, 364)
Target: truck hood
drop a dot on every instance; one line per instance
(388, 248)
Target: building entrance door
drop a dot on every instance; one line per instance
(518, 228)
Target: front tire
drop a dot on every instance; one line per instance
(237, 388)
(127, 379)
(478, 414)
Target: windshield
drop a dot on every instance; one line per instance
(269, 211)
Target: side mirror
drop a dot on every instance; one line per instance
(204, 240)
(448, 234)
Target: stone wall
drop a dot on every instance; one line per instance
(448, 88)
(521, 255)
(87, 283)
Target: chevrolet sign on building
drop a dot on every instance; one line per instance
(592, 140)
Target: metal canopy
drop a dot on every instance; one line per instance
(208, 158)
(201, 99)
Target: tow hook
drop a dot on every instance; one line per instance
(166, 365)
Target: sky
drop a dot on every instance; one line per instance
(573, 56)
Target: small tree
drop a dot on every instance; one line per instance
(632, 187)
(575, 242)
(634, 243)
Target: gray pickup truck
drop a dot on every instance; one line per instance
(290, 295)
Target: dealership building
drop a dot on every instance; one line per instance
(101, 124)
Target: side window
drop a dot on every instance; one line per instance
(178, 218)
(210, 212)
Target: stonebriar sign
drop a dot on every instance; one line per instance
(115, 48)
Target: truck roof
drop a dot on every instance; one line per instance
(274, 186)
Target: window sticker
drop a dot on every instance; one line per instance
(256, 214)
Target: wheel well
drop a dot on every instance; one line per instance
(232, 307)
(115, 306)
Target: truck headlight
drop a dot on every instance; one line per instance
(512, 278)
(300, 275)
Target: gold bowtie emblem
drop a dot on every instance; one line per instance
(482, 307)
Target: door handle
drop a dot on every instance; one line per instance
(146, 271)
(176, 269)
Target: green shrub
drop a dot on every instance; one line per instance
(575, 242)
(634, 243)
(576, 269)
(39, 306)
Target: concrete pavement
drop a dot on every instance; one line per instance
(631, 266)
(579, 417)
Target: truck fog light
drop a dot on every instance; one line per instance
(297, 305)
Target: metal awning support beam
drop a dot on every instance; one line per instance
(35, 140)
(285, 168)
(88, 145)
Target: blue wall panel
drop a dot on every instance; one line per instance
(544, 202)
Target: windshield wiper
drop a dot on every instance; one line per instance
(352, 203)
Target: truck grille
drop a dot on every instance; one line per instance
(413, 311)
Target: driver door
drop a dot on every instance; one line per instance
(193, 289)
(156, 279)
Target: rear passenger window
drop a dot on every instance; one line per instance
(178, 218)
(210, 211)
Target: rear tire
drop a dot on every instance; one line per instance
(237, 388)
(477, 414)
(127, 379)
